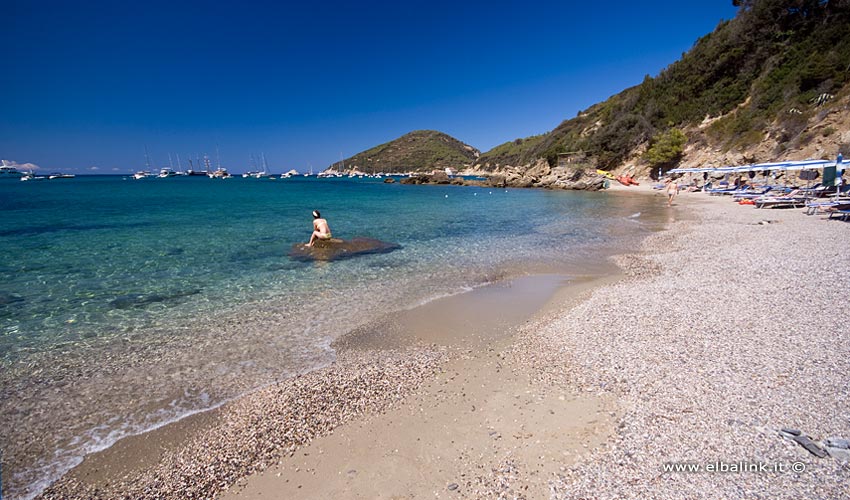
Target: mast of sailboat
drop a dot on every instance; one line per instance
(217, 158)
(170, 165)
(265, 167)
(147, 159)
(179, 167)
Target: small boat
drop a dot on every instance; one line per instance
(59, 175)
(32, 177)
(142, 174)
(167, 172)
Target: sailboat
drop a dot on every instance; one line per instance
(167, 171)
(143, 174)
(264, 173)
(253, 172)
(198, 163)
(220, 173)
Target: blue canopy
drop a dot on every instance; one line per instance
(759, 167)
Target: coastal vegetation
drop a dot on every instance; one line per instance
(769, 72)
(666, 148)
(418, 151)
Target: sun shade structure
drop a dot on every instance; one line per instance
(761, 167)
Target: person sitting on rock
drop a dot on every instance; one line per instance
(321, 230)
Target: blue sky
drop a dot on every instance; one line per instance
(89, 84)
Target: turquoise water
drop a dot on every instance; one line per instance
(126, 304)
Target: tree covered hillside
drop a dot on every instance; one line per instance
(767, 71)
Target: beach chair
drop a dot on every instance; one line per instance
(815, 206)
(794, 199)
(844, 214)
(756, 193)
(722, 190)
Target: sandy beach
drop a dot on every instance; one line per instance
(713, 335)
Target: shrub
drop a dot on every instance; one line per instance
(666, 148)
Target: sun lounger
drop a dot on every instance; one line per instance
(781, 201)
(813, 207)
(843, 213)
(724, 191)
(751, 195)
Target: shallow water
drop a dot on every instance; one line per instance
(127, 304)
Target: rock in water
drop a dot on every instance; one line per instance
(9, 298)
(143, 300)
(336, 249)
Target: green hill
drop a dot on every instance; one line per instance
(418, 151)
(760, 84)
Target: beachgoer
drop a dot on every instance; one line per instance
(672, 191)
(321, 230)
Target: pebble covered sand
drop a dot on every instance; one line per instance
(729, 327)
(725, 330)
(254, 431)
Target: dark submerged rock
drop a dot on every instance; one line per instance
(336, 249)
(143, 300)
(9, 298)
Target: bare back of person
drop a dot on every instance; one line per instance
(321, 226)
(321, 229)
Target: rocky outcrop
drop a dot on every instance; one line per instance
(540, 175)
(337, 249)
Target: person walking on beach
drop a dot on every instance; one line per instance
(672, 191)
(321, 230)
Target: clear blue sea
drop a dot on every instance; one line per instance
(126, 304)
